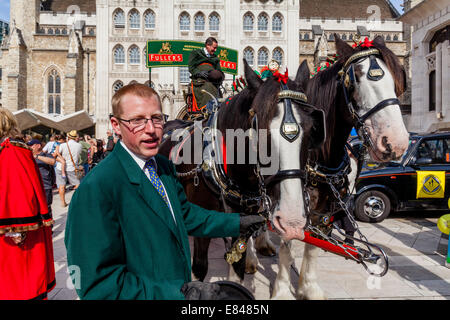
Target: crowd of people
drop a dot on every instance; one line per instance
(66, 158)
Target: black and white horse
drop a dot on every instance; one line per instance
(360, 90)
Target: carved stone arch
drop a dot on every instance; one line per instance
(166, 103)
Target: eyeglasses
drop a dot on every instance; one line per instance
(157, 120)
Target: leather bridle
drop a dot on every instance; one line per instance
(347, 81)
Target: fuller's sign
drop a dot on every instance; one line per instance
(175, 53)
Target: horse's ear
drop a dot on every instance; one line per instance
(379, 41)
(302, 76)
(402, 85)
(342, 48)
(253, 81)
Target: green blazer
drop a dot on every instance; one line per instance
(122, 237)
(197, 57)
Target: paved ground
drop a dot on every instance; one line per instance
(414, 245)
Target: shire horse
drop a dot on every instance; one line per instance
(275, 114)
(360, 90)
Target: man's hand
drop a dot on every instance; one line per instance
(198, 290)
(203, 74)
(17, 237)
(250, 223)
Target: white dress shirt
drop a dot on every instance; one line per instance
(141, 163)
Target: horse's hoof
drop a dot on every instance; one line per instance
(313, 292)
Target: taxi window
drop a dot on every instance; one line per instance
(434, 150)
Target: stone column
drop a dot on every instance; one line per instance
(291, 26)
(102, 85)
(446, 78)
(439, 81)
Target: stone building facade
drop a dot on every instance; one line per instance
(259, 29)
(430, 54)
(49, 63)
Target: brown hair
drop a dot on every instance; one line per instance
(137, 89)
(8, 124)
(210, 41)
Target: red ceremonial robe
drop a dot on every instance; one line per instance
(26, 270)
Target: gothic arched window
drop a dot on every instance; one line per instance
(263, 22)
(119, 19)
(149, 20)
(263, 57)
(248, 22)
(117, 86)
(277, 22)
(54, 92)
(214, 22)
(185, 22)
(119, 55)
(135, 19)
(134, 56)
(249, 55)
(199, 22)
(278, 55)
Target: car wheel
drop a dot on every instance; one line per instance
(372, 206)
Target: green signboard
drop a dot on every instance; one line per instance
(175, 53)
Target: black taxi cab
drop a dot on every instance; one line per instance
(420, 180)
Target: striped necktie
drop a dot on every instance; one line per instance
(155, 180)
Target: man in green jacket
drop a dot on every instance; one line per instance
(206, 73)
(128, 222)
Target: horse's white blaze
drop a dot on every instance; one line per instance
(289, 216)
(386, 127)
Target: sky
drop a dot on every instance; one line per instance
(4, 8)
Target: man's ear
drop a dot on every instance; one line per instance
(115, 125)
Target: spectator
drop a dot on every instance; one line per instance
(84, 155)
(45, 162)
(26, 249)
(50, 146)
(109, 143)
(100, 154)
(70, 152)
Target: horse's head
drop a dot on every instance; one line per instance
(292, 127)
(371, 79)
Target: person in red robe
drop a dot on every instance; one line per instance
(26, 249)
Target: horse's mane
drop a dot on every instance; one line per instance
(327, 83)
(233, 113)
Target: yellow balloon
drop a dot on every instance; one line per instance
(444, 224)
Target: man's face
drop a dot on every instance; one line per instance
(142, 141)
(211, 48)
(36, 148)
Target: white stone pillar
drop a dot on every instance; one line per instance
(439, 80)
(102, 85)
(446, 78)
(292, 25)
